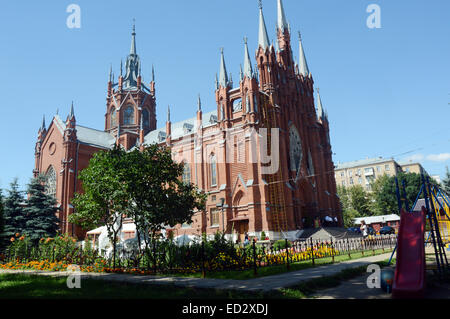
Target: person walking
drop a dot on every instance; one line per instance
(364, 230)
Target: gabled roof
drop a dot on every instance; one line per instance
(88, 135)
(95, 137)
(377, 219)
(369, 161)
(179, 128)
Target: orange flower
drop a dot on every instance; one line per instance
(17, 234)
(22, 238)
(12, 239)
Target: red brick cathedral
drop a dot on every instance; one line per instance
(263, 155)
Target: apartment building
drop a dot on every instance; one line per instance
(364, 172)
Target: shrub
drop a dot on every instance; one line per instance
(281, 244)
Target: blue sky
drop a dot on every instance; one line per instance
(386, 90)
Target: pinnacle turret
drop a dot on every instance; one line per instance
(223, 77)
(302, 64)
(248, 70)
(281, 19)
(263, 38)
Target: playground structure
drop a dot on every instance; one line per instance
(409, 278)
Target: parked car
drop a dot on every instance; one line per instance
(387, 230)
(354, 230)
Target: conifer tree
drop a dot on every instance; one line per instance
(2, 220)
(13, 214)
(40, 211)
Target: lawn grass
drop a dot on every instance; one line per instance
(279, 269)
(19, 286)
(307, 288)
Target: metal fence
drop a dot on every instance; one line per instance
(166, 258)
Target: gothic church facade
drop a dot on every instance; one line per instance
(270, 111)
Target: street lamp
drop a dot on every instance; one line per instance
(220, 204)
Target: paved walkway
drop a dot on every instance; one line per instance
(266, 283)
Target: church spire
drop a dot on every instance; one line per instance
(72, 113)
(321, 113)
(223, 77)
(133, 39)
(199, 102)
(43, 128)
(248, 71)
(263, 38)
(168, 113)
(303, 65)
(132, 64)
(281, 21)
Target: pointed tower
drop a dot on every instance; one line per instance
(263, 38)
(302, 64)
(283, 33)
(42, 132)
(284, 40)
(168, 128)
(249, 86)
(320, 112)
(224, 108)
(132, 103)
(132, 65)
(265, 54)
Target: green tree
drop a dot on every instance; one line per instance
(385, 195)
(446, 182)
(380, 203)
(14, 217)
(105, 199)
(2, 221)
(351, 197)
(359, 200)
(40, 211)
(160, 197)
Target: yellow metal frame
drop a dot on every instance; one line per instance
(443, 221)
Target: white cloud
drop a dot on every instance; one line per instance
(443, 157)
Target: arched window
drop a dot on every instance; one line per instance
(213, 170)
(51, 182)
(186, 173)
(146, 117)
(128, 115)
(113, 117)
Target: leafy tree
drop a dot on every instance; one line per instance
(41, 220)
(105, 198)
(14, 217)
(446, 182)
(349, 216)
(349, 212)
(2, 220)
(359, 200)
(158, 195)
(385, 195)
(145, 186)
